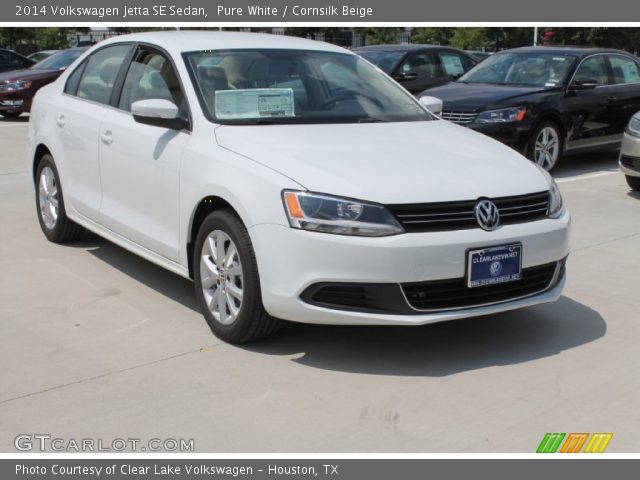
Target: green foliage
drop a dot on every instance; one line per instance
(378, 35)
(431, 35)
(470, 38)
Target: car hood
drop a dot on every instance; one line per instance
(28, 74)
(408, 162)
(478, 96)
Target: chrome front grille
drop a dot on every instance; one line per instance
(460, 117)
(431, 217)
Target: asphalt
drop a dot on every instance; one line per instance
(98, 343)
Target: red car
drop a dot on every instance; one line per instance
(18, 87)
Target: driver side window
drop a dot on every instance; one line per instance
(593, 68)
(422, 65)
(150, 76)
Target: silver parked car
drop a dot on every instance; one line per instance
(630, 153)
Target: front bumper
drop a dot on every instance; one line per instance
(15, 101)
(630, 155)
(291, 261)
(512, 134)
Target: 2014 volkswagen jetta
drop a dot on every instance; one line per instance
(291, 180)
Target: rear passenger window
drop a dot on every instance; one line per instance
(71, 87)
(100, 73)
(624, 69)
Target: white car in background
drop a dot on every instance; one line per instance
(630, 153)
(291, 179)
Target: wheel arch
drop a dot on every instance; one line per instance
(203, 209)
(553, 116)
(40, 151)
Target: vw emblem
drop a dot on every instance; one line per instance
(495, 268)
(487, 215)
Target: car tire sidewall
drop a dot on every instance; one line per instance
(633, 182)
(251, 307)
(531, 147)
(55, 232)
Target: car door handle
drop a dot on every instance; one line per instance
(612, 98)
(60, 121)
(107, 137)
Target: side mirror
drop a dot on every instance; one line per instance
(433, 104)
(405, 77)
(159, 113)
(587, 84)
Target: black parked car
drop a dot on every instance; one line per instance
(545, 101)
(418, 67)
(10, 60)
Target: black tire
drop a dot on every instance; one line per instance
(252, 322)
(64, 230)
(531, 145)
(633, 182)
(10, 114)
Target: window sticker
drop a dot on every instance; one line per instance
(254, 103)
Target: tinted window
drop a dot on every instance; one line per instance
(100, 73)
(9, 59)
(453, 64)
(593, 68)
(624, 69)
(421, 65)
(150, 75)
(384, 60)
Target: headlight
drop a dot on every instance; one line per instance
(19, 85)
(342, 216)
(513, 114)
(555, 200)
(634, 125)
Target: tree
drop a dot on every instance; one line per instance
(432, 35)
(378, 35)
(469, 38)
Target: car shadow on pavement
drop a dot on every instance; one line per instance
(582, 163)
(440, 349)
(434, 350)
(162, 281)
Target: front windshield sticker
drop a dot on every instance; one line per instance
(254, 103)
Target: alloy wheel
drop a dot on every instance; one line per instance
(547, 148)
(48, 197)
(221, 277)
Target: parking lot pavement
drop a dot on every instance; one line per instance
(97, 343)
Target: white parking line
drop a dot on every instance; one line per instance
(586, 176)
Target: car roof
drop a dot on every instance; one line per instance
(567, 50)
(409, 47)
(178, 41)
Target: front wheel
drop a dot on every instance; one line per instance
(227, 282)
(545, 146)
(633, 182)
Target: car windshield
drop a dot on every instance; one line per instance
(535, 69)
(385, 60)
(297, 86)
(58, 61)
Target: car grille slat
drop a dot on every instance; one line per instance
(454, 294)
(443, 216)
(460, 117)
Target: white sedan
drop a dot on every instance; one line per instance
(293, 180)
